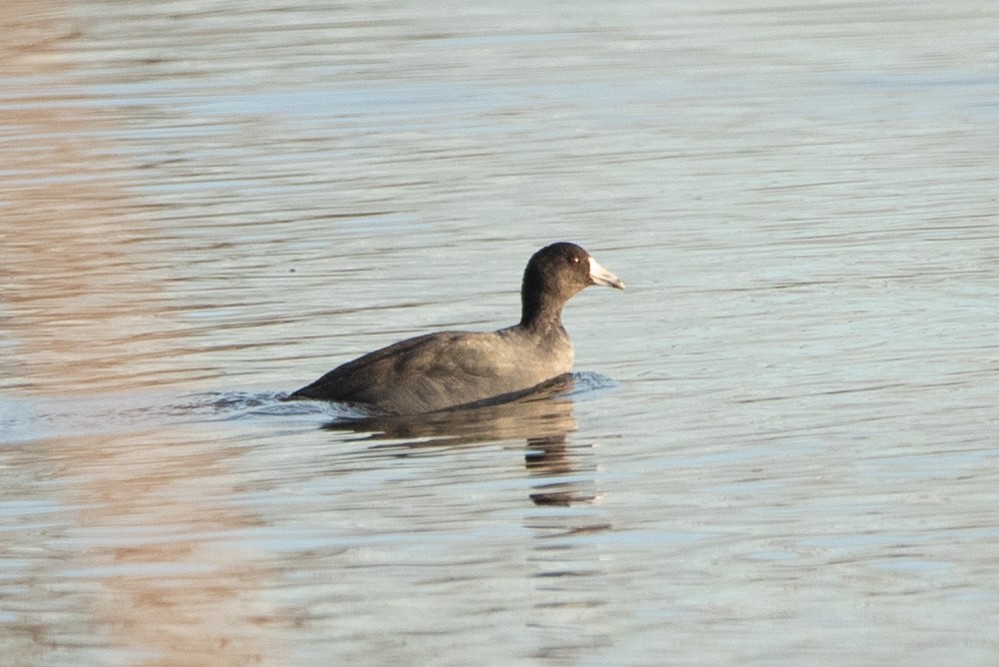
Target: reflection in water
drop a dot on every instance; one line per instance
(567, 576)
(543, 418)
(140, 570)
(551, 458)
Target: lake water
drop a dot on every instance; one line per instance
(782, 443)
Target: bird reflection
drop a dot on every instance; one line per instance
(542, 417)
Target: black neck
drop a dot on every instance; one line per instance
(539, 307)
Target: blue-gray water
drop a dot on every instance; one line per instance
(783, 439)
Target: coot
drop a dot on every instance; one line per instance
(457, 368)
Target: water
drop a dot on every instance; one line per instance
(781, 443)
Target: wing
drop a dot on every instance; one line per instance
(423, 373)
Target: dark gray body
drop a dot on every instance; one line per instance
(454, 368)
(446, 369)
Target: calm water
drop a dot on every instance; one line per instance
(782, 442)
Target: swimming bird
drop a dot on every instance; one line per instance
(456, 368)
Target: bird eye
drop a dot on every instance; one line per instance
(574, 260)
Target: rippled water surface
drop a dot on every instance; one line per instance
(780, 444)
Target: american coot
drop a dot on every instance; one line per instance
(456, 368)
